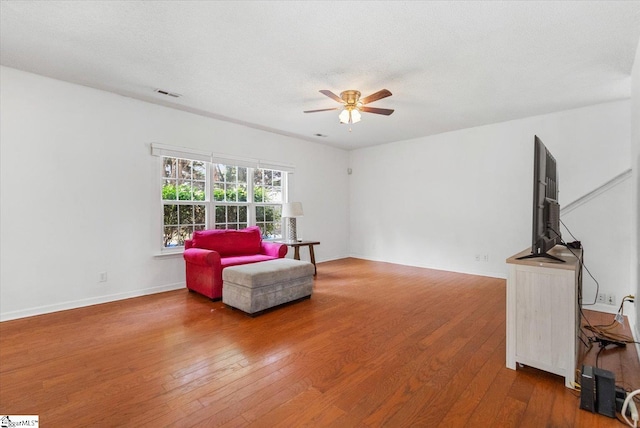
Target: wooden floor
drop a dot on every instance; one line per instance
(377, 345)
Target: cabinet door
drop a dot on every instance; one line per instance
(545, 318)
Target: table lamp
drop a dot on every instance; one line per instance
(290, 211)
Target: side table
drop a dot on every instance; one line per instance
(296, 247)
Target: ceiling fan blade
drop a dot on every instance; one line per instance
(383, 93)
(384, 111)
(331, 95)
(322, 109)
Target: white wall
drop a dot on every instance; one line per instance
(635, 159)
(439, 201)
(78, 191)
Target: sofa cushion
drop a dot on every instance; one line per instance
(243, 260)
(228, 242)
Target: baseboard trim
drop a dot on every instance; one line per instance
(500, 275)
(73, 304)
(636, 337)
(331, 259)
(600, 307)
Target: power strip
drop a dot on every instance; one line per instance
(634, 412)
(630, 405)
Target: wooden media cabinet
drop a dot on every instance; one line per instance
(543, 316)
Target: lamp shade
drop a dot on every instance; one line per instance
(344, 116)
(350, 115)
(292, 209)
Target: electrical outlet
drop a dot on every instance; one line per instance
(103, 277)
(478, 257)
(602, 298)
(485, 258)
(611, 299)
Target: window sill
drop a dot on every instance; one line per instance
(170, 253)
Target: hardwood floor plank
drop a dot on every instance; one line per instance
(457, 360)
(510, 413)
(283, 412)
(473, 398)
(540, 404)
(377, 345)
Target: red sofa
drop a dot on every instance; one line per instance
(210, 251)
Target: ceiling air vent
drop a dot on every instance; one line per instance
(170, 94)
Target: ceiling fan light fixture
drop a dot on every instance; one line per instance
(345, 116)
(355, 116)
(350, 115)
(353, 106)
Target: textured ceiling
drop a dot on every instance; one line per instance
(449, 65)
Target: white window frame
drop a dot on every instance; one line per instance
(161, 150)
(182, 202)
(250, 204)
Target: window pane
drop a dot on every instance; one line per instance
(268, 218)
(185, 214)
(257, 176)
(232, 193)
(268, 214)
(242, 193)
(199, 170)
(221, 214)
(275, 194)
(258, 194)
(184, 191)
(268, 175)
(218, 173)
(184, 169)
(242, 175)
(232, 214)
(259, 213)
(242, 214)
(170, 237)
(268, 230)
(218, 192)
(231, 175)
(169, 190)
(185, 232)
(198, 190)
(170, 215)
(200, 214)
(169, 166)
(277, 178)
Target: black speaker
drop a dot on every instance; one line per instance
(605, 392)
(587, 389)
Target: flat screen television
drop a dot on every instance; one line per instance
(546, 209)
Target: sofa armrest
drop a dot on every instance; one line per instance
(202, 257)
(274, 249)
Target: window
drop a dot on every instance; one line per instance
(183, 197)
(230, 187)
(198, 195)
(268, 199)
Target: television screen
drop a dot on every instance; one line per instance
(546, 209)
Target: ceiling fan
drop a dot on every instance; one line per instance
(353, 105)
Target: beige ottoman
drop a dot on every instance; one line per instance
(255, 287)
